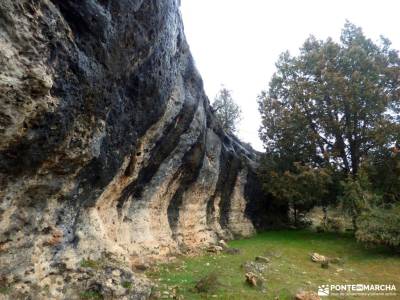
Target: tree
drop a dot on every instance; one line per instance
(226, 110)
(300, 186)
(334, 103)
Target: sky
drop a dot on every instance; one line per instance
(236, 43)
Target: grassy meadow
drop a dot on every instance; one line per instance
(289, 271)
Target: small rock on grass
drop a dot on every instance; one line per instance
(307, 295)
(254, 280)
(254, 267)
(232, 251)
(251, 278)
(214, 249)
(141, 267)
(262, 259)
(273, 253)
(316, 257)
(223, 244)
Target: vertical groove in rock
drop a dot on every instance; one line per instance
(188, 172)
(231, 166)
(160, 151)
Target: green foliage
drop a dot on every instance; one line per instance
(357, 195)
(335, 107)
(89, 263)
(226, 110)
(301, 186)
(380, 226)
(383, 169)
(330, 104)
(333, 225)
(127, 285)
(91, 295)
(370, 203)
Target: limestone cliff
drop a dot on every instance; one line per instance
(110, 155)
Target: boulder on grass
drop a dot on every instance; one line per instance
(214, 249)
(141, 266)
(316, 257)
(223, 244)
(262, 259)
(307, 295)
(254, 280)
(254, 267)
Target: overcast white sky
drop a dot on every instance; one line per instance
(237, 42)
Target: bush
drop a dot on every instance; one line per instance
(358, 196)
(334, 225)
(380, 226)
(208, 284)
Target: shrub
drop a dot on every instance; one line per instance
(380, 226)
(334, 225)
(208, 284)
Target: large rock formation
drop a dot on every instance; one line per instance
(110, 155)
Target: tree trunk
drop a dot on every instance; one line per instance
(325, 211)
(354, 221)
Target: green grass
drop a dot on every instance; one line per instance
(289, 271)
(5, 289)
(89, 263)
(127, 285)
(90, 295)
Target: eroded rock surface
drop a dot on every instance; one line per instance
(109, 151)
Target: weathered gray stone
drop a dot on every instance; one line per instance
(108, 147)
(254, 267)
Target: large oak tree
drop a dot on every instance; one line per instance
(334, 103)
